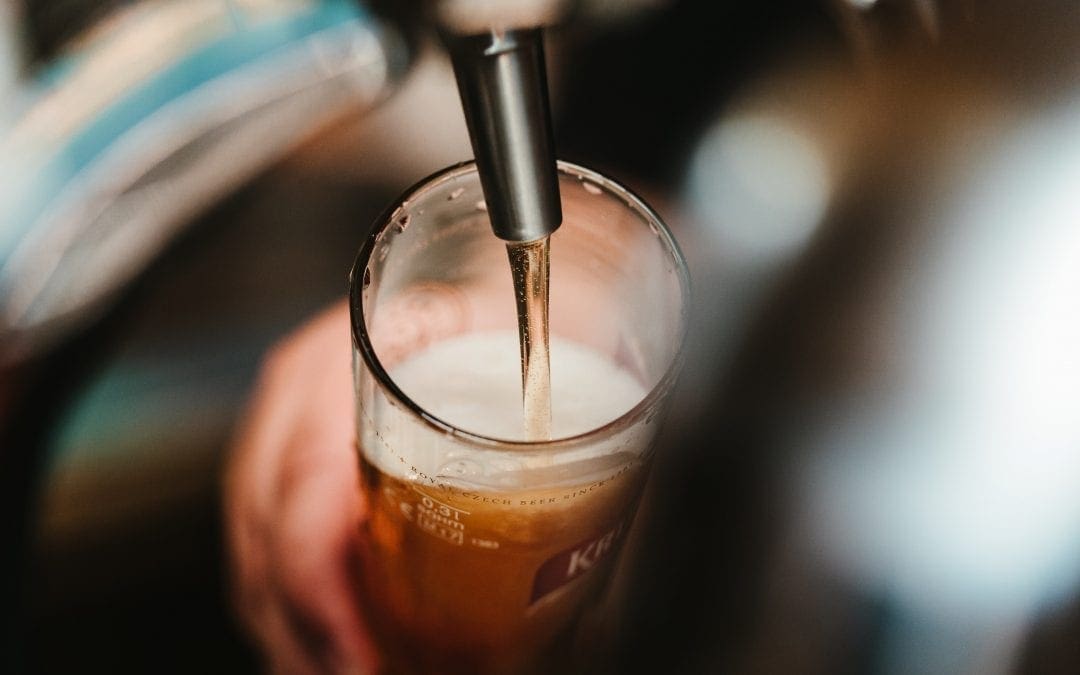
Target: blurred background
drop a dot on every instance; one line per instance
(875, 463)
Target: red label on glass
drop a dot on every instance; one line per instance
(564, 567)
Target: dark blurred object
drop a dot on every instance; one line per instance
(883, 478)
(127, 569)
(639, 94)
(125, 123)
(53, 23)
(103, 166)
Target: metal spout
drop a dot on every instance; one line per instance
(503, 85)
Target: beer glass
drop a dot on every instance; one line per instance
(479, 550)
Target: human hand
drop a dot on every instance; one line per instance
(292, 506)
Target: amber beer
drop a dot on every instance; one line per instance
(478, 560)
(456, 580)
(483, 543)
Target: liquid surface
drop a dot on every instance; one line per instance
(474, 383)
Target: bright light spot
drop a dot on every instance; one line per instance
(961, 494)
(760, 186)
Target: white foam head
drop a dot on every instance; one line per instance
(473, 382)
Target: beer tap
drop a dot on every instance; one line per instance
(503, 85)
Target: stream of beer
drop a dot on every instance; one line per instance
(529, 264)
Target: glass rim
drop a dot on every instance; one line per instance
(362, 341)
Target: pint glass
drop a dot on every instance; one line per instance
(480, 549)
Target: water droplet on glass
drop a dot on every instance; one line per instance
(367, 277)
(455, 194)
(481, 205)
(461, 467)
(402, 222)
(592, 188)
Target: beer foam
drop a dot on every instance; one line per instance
(473, 382)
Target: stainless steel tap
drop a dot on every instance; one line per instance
(503, 85)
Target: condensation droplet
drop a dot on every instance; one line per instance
(461, 467)
(402, 222)
(481, 205)
(592, 188)
(455, 194)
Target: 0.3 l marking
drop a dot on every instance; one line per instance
(442, 520)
